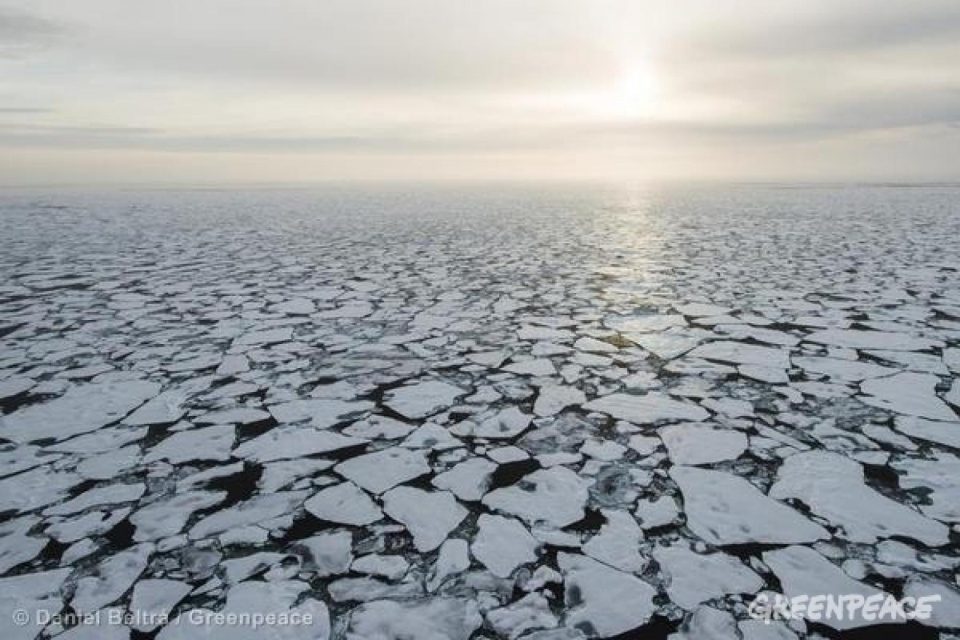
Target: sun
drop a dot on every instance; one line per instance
(634, 94)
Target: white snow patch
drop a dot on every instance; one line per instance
(503, 544)
(555, 496)
(590, 607)
(645, 409)
(429, 516)
(378, 471)
(725, 509)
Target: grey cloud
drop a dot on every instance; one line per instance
(363, 44)
(838, 121)
(437, 77)
(24, 110)
(844, 27)
(21, 31)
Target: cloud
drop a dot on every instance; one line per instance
(361, 44)
(821, 29)
(22, 32)
(22, 110)
(499, 78)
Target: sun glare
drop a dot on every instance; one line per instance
(634, 94)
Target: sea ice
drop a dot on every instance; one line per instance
(423, 399)
(502, 544)
(692, 578)
(344, 503)
(695, 444)
(725, 509)
(378, 471)
(804, 572)
(555, 496)
(429, 516)
(645, 409)
(434, 619)
(81, 409)
(908, 393)
(832, 486)
(588, 587)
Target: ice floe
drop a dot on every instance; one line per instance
(81, 409)
(423, 399)
(692, 578)
(429, 516)
(647, 408)
(378, 471)
(832, 486)
(618, 542)
(344, 503)
(294, 442)
(695, 443)
(554, 496)
(908, 393)
(502, 544)
(725, 509)
(802, 571)
(435, 619)
(441, 418)
(588, 586)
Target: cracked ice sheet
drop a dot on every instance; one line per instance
(293, 442)
(693, 578)
(29, 592)
(423, 399)
(856, 339)
(241, 324)
(908, 393)
(378, 471)
(803, 571)
(832, 486)
(111, 578)
(502, 544)
(941, 476)
(588, 586)
(436, 619)
(429, 516)
(555, 496)
(645, 409)
(742, 353)
(725, 509)
(256, 597)
(16, 546)
(257, 509)
(81, 409)
(695, 444)
(344, 503)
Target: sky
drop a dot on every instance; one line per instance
(295, 91)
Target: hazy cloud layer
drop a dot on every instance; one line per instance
(503, 88)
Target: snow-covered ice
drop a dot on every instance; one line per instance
(832, 486)
(502, 544)
(591, 606)
(645, 409)
(696, 443)
(725, 509)
(344, 503)
(692, 578)
(556, 496)
(505, 415)
(376, 472)
(429, 516)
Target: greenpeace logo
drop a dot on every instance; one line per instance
(879, 608)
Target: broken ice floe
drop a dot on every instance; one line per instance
(478, 419)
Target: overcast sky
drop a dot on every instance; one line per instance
(143, 91)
